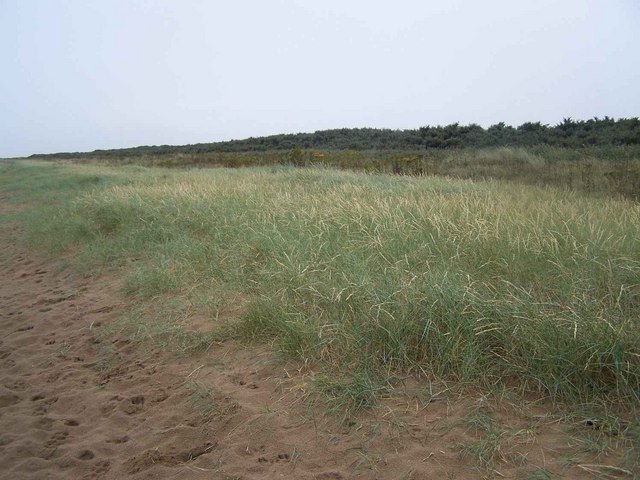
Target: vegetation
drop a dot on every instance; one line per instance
(607, 170)
(570, 133)
(598, 155)
(369, 278)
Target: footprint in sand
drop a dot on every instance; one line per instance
(6, 440)
(101, 467)
(43, 423)
(42, 407)
(57, 439)
(16, 385)
(52, 378)
(8, 398)
(119, 440)
(329, 476)
(134, 405)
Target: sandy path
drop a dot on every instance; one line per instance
(76, 405)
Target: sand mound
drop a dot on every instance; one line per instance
(78, 404)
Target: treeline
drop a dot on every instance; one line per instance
(569, 133)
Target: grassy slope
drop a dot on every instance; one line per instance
(610, 170)
(370, 276)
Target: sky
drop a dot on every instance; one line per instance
(79, 75)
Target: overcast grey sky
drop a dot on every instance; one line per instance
(81, 75)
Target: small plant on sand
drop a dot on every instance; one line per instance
(488, 449)
(210, 404)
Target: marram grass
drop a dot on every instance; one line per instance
(370, 276)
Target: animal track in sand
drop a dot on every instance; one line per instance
(151, 457)
(85, 455)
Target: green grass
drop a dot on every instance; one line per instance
(487, 450)
(366, 277)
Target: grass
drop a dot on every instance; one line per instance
(607, 170)
(610, 170)
(597, 431)
(494, 443)
(354, 392)
(210, 404)
(488, 449)
(163, 323)
(366, 277)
